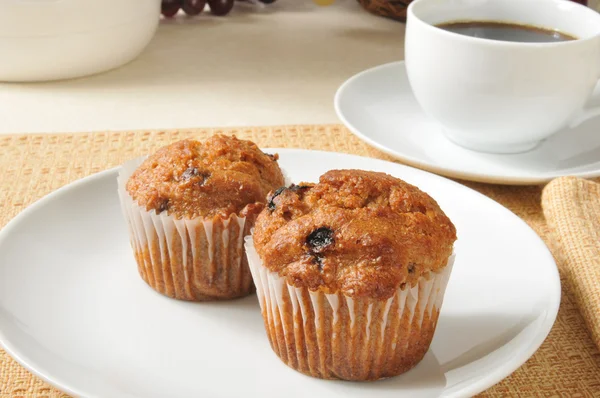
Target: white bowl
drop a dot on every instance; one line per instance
(60, 39)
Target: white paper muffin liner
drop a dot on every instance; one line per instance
(197, 259)
(334, 336)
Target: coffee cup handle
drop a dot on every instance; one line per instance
(585, 114)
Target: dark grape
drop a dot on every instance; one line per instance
(298, 188)
(170, 7)
(193, 7)
(220, 7)
(189, 173)
(271, 205)
(320, 239)
(163, 205)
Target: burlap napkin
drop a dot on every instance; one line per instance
(572, 209)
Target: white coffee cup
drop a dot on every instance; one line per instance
(500, 96)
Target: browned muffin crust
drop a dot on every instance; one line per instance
(359, 232)
(220, 176)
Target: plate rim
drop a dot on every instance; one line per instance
(5, 344)
(529, 179)
(499, 373)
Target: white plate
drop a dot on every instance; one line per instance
(379, 107)
(74, 311)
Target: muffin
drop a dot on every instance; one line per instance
(350, 274)
(189, 206)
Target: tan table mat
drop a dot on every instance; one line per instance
(566, 365)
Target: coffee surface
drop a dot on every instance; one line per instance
(504, 31)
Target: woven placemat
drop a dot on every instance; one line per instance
(31, 166)
(571, 206)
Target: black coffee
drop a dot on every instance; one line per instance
(506, 32)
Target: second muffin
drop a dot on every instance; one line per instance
(350, 274)
(189, 206)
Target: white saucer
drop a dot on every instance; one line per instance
(74, 310)
(378, 106)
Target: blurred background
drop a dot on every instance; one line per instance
(260, 64)
(276, 64)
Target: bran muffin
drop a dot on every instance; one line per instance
(189, 206)
(351, 273)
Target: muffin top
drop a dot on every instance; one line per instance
(220, 176)
(361, 233)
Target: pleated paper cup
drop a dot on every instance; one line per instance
(188, 259)
(334, 336)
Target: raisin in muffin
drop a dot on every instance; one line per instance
(189, 206)
(351, 273)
